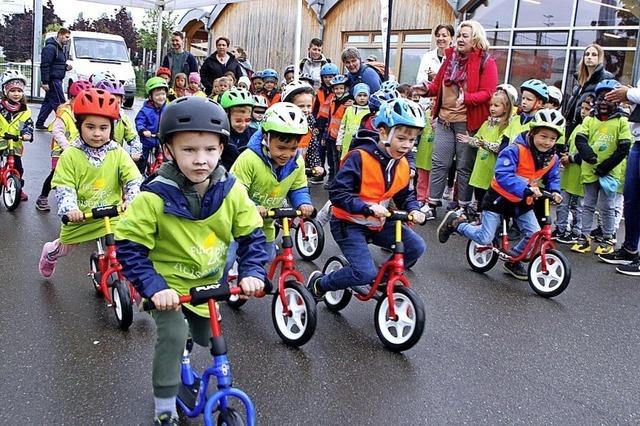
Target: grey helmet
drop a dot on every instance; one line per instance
(193, 114)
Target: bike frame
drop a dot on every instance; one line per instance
(8, 166)
(158, 159)
(286, 263)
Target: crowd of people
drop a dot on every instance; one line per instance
(238, 142)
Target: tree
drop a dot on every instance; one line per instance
(148, 34)
(120, 24)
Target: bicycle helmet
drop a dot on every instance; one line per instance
(9, 75)
(285, 117)
(295, 88)
(270, 74)
(537, 87)
(306, 77)
(96, 102)
(381, 96)
(163, 71)
(101, 75)
(193, 114)
(609, 84)
(550, 119)
(400, 112)
(78, 86)
(112, 86)
(339, 79)
(260, 102)
(288, 69)
(155, 83)
(256, 75)
(511, 92)
(329, 69)
(389, 85)
(555, 95)
(235, 97)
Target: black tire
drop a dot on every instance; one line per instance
(295, 332)
(482, 263)
(122, 306)
(95, 274)
(405, 299)
(12, 192)
(230, 417)
(309, 247)
(558, 274)
(335, 301)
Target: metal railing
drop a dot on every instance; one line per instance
(24, 67)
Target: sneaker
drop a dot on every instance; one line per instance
(597, 234)
(556, 234)
(605, 247)
(166, 419)
(46, 265)
(632, 268)
(453, 205)
(24, 196)
(40, 127)
(517, 270)
(449, 225)
(448, 193)
(42, 204)
(583, 245)
(622, 256)
(313, 285)
(568, 238)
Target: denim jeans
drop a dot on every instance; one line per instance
(352, 240)
(593, 192)
(632, 199)
(486, 231)
(570, 203)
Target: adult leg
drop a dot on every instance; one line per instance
(442, 157)
(632, 200)
(465, 159)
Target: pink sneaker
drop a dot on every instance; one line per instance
(47, 266)
(24, 196)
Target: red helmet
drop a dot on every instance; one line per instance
(96, 102)
(163, 71)
(78, 86)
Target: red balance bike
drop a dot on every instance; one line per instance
(9, 176)
(155, 158)
(549, 270)
(399, 313)
(106, 272)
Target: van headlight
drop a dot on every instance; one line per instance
(131, 82)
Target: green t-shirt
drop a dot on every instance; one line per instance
(425, 149)
(515, 128)
(351, 122)
(94, 186)
(188, 253)
(262, 185)
(571, 178)
(483, 168)
(603, 137)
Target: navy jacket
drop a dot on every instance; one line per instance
(367, 75)
(53, 61)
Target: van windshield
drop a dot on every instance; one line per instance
(100, 49)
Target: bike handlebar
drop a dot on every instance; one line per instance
(98, 213)
(286, 212)
(202, 294)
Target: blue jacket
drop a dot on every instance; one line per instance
(345, 188)
(366, 75)
(134, 257)
(53, 61)
(148, 118)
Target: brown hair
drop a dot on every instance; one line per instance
(447, 27)
(177, 34)
(63, 31)
(583, 71)
(225, 39)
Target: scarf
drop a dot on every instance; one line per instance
(11, 106)
(456, 72)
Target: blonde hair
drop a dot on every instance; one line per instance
(506, 102)
(478, 35)
(583, 71)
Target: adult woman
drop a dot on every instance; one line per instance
(241, 56)
(433, 59)
(590, 72)
(219, 63)
(462, 88)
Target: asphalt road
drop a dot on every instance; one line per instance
(492, 352)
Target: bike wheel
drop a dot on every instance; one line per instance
(296, 329)
(404, 332)
(122, 306)
(310, 240)
(11, 192)
(337, 300)
(557, 277)
(94, 273)
(230, 417)
(480, 261)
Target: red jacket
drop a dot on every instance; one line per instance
(479, 88)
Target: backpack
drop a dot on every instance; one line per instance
(378, 67)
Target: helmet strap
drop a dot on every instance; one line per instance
(265, 144)
(387, 143)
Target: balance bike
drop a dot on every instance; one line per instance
(106, 272)
(549, 270)
(9, 176)
(399, 314)
(155, 159)
(192, 396)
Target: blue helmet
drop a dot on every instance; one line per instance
(329, 69)
(389, 85)
(269, 73)
(400, 112)
(381, 96)
(607, 85)
(539, 88)
(339, 79)
(257, 74)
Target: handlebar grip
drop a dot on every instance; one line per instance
(65, 219)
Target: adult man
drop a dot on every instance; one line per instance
(53, 67)
(314, 61)
(359, 72)
(179, 60)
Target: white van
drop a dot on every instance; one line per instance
(93, 52)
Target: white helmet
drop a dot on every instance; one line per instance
(285, 117)
(9, 75)
(555, 94)
(294, 88)
(97, 77)
(260, 102)
(550, 119)
(511, 91)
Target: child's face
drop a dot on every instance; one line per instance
(269, 85)
(258, 83)
(338, 90)
(545, 139)
(243, 85)
(585, 109)
(165, 77)
(603, 106)
(216, 88)
(530, 102)
(258, 113)
(196, 153)
(497, 107)
(402, 140)
(240, 118)
(223, 86)
(362, 99)
(194, 86)
(304, 101)
(280, 151)
(95, 130)
(551, 105)
(15, 95)
(181, 82)
(288, 77)
(159, 97)
(326, 80)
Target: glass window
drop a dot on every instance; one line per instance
(378, 38)
(355, 38)
(493, 14)
(541, 38)
(498, 38)
(500, 56)
(109, 50)
(417, 38)
(606, 38)
(544, 64)
(544, 13)
(377, 52)
(598, 13)
(617, 62)
(410, 63)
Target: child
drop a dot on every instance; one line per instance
(339, 103)
(534, 94)
(289, 74)
(257, 83)
(15, 118)
(271, 168)
(175, 234)
(520, 168)
(327, 72)
(260, 106)
(371, 175)
(94, 171)
(194, 85)
(352, 118)
(230, 80)
(244, 83)
(164, 73)
(405, 90)
(63, 131)
(179, 88)
(555, 98)
(238, 104)
(270, 91)
(148, 118)
(603, 143)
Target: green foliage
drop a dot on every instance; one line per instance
(120, 23)
(148, 34)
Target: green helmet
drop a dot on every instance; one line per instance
(154, 83)
(235, 97)
(550, 119)
(285, 117)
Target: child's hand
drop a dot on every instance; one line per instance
(262, 211)
(75, 216)
(412, 173)
(564, 159)
(136, 157)
(166, 300)
(463, 137)
(26, 137)
(251, 286)
(348, 103)
(378, 210)
(318, 171)
(460, 100)
(306, 209)
(418, 216)
(536, 191)
(557, 198)
(146, 134)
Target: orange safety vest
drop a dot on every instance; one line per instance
(526, 168)
(325, 104)
(274, 100)
(305, 140)
(336, 119)
(373, 189)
